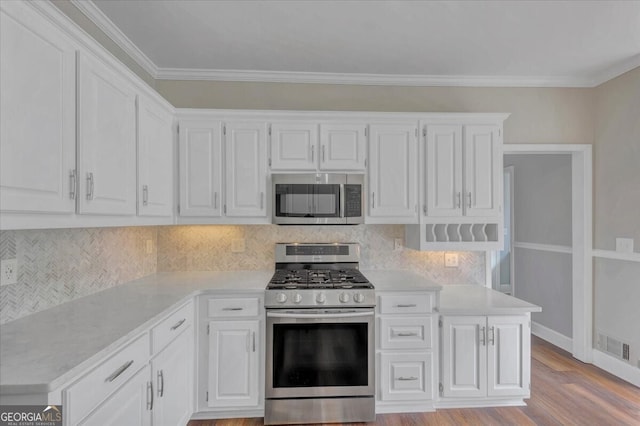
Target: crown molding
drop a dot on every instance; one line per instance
(102, 21)
(616, 70)
(369, 79)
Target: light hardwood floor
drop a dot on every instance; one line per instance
(564, 392)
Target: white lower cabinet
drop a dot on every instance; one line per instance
(230, 377)
(406, 346)
(485, 358)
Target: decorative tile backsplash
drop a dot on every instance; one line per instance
(206, 248)
(59, 265)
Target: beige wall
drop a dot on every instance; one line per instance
(538, 115)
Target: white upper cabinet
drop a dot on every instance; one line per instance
(106, 140)
(200, 168)
(393, 180)
(37, 119)
(155, 159)
(293, 146)
(483, 170)
(463, 169)
(343, 146)
(246, 171)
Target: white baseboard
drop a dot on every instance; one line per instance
(616, 367)
(551, 336)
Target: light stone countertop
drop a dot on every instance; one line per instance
(479, 300)
(41, 352)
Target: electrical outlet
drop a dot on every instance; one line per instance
(8, 271)
(451, 260)
(397, 244)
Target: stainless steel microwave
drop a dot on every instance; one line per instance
(318, 199)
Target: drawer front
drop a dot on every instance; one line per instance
(234, 307)
(406, 333)
(406, 303)
(406, 376)
(171, 327)
(96, 386)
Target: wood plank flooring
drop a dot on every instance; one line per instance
(564, 392)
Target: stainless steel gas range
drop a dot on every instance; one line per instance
(320, 336)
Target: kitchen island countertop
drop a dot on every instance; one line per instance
(479, 300)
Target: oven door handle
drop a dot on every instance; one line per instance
(320, 316)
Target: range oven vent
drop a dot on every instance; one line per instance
(613, 346)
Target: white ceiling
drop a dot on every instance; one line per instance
(484, 43)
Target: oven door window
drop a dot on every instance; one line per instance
(320, 355)
(307, 200)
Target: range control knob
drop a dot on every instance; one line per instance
(344, 297)
(297, 298)
(281, 297)
(358, 297)
(321, 298)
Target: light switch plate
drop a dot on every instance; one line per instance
(451, 260)
(624, 245)
(397, 244)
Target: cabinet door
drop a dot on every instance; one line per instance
(444, 170)
(293, 146)
(172, 371)
(464, 356)
(201, 168)
(37, 119)
(107, 140)
(130, 405)
(155, 159)
(393, 166)
(509, 355)
(483, 171)
(233, 364)
(246, 176)
(406, 376)
(343, 147)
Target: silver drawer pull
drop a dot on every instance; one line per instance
(119, 371)
(411, 305)
(178, 324)
(232, 309)
(407, 379)
(149, 396)
(406, 334)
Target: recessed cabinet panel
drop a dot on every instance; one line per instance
(444, 170)
(393, 172)
(406, 376)
(406, 333)
(342, 147)
(201, 168)
(509, 362)
(246, 177)
(464, 371)
(37, 118)
(107, 140)
(483, 167)
(294, 146)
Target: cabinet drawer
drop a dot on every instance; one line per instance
(406, 303)
(406, 333)
(171, 327)
(406, 376)
(237, 307)
(96, 386)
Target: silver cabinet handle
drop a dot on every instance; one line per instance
(72, 184)
(406, 334)
(262, 200)
(459, 199)
(254, 341)
(483, 339)
(160, 383)
(406, 379)
(424, 209)
(469, 195)
(410, 305)
(215, 200)
(323, 146)
(232, 309)
(89, 186)
(492, 336)
(145, 195)
(313, 149)
(119, 371)
(178, 324)
(373, 200)
(149, 396)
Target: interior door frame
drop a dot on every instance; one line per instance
(581, 235)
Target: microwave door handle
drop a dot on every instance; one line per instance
(342, 198)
